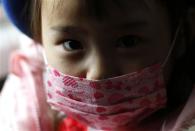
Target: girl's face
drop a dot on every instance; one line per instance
(129, 36)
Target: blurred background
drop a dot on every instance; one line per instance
(9, 42)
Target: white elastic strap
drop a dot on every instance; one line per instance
(45, 58)
(173, 44)
(163, 126)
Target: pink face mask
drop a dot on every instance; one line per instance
(109, 103)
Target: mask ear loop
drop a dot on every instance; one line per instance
(173, 43)
(45, 58)
(163, 126)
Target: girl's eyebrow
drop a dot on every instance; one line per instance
(68, 29)
(132, 25)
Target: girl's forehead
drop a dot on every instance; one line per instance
(97, 8)
(108, 12)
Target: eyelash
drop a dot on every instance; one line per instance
(122, 42)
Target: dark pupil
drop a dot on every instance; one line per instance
(75, 45)
(128, 41)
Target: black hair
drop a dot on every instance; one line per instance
(183, 75)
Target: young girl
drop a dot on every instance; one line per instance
(119, 65)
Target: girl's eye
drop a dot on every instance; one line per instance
(127, 41)
(72, 45)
